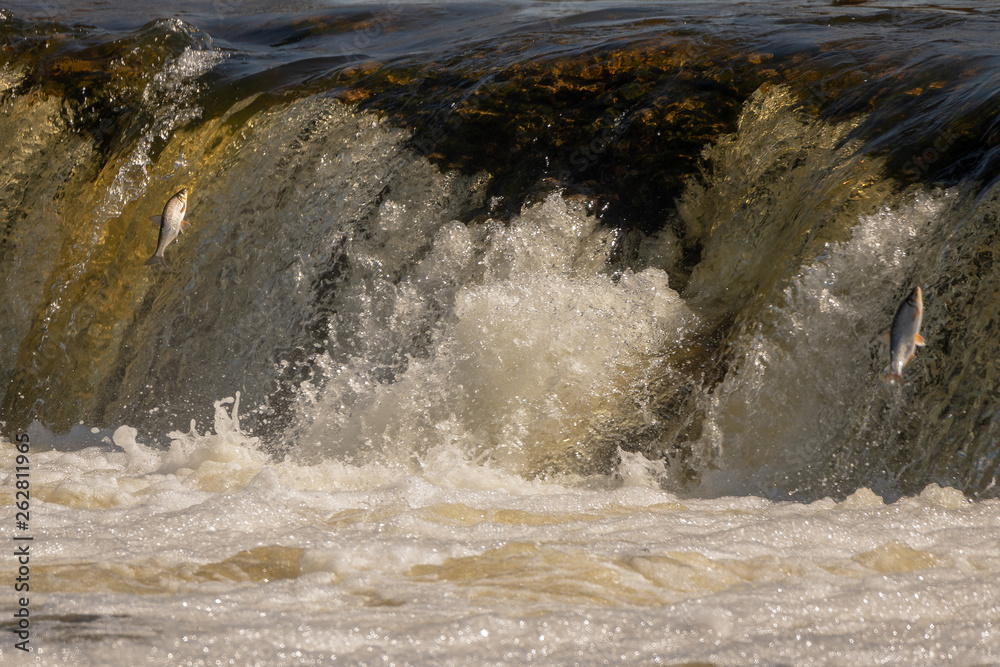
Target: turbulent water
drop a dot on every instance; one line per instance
(503, 333)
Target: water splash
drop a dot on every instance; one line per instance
(534, 350)
(806, 376)
(169, 99)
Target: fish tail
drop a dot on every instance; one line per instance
(156, 259)
(893, 378)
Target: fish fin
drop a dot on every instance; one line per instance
(156, 219)
(156, 259)
(885, 338)
(919, 340)
(184, 225)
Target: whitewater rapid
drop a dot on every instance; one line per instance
(210, 552)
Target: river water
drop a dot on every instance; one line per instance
(503, 333)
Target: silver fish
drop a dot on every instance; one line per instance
(904, 336)
(171, 224)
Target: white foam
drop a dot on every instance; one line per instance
(229, 556)
(536, 348)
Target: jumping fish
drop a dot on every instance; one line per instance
(904, 336)
(171, 224)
